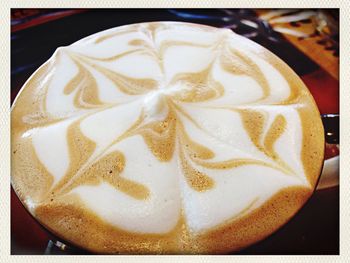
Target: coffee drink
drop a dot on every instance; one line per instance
(165, 137)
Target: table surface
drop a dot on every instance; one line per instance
(35, 34)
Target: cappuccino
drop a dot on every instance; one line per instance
(167, 138)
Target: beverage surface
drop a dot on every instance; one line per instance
(164, 138)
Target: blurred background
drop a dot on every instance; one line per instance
(307, 40)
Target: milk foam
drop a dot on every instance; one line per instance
(157, 214)
(215, 123)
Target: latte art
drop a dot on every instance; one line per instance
(164, 138)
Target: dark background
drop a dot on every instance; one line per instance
(36, 33)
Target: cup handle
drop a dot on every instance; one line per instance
(330, 173)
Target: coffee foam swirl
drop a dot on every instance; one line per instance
(154, 124)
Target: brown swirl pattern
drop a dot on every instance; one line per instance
(161, 136)
(162, 128)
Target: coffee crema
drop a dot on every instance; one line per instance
(165, 137)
